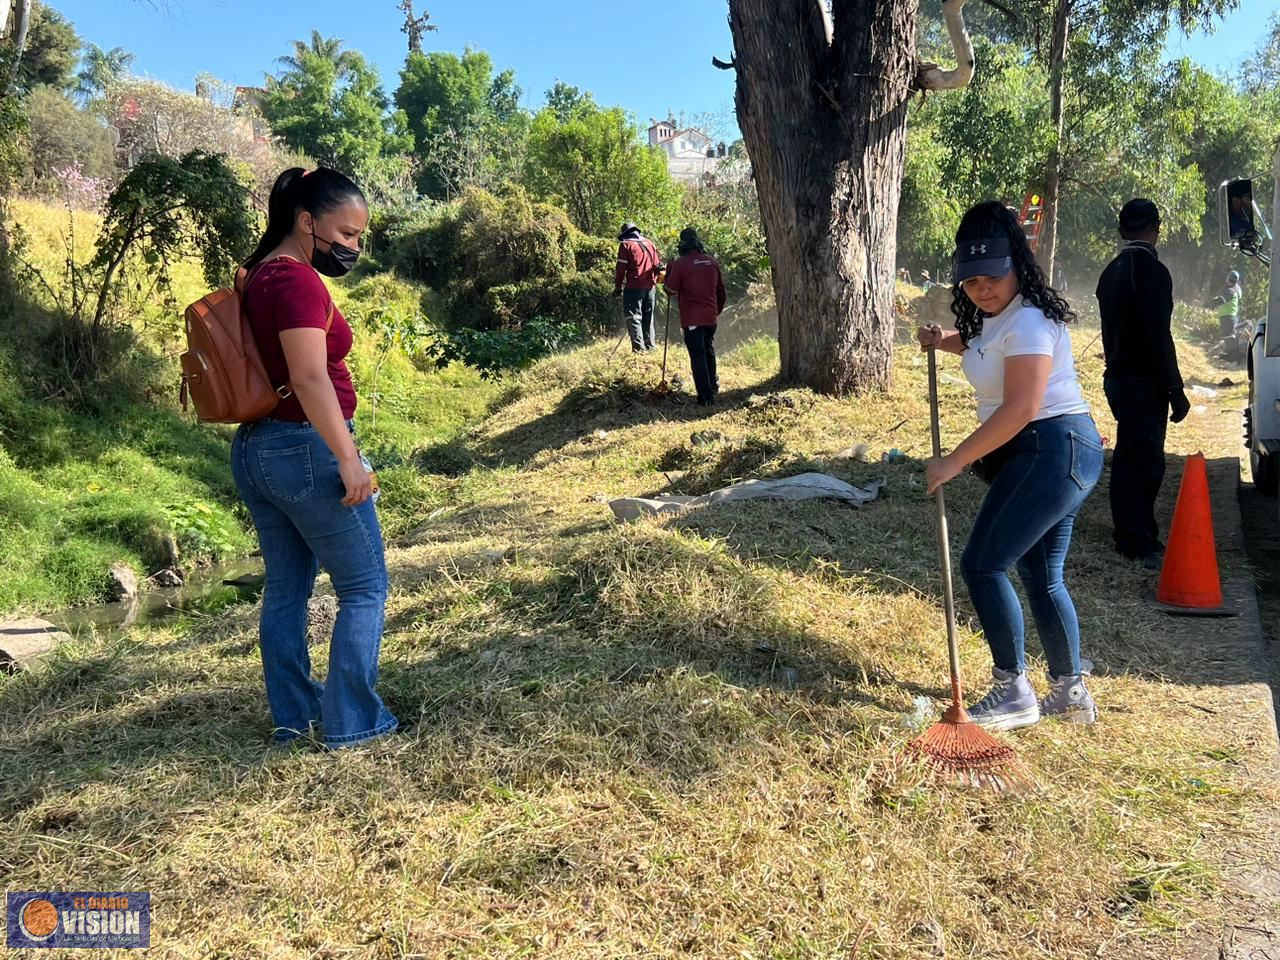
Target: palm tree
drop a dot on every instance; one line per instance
(100, 69)
(323, 49)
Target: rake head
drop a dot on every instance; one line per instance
(959, 751)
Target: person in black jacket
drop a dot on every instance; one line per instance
(1142, 380)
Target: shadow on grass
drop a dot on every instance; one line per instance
(613, 403)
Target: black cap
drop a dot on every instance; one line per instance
(628, 227)
(1138, 215)
(983, 257)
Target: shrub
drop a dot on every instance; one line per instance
(517, 278)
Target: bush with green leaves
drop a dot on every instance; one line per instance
(516, 277)
(163, 211)
(496, 352)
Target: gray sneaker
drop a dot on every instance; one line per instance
(1069, 700)
(1010, 704)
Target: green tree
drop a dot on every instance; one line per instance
(595, 166)
(467, 125)
(329, 104)
(100, 69)
(1221, 131)
(62, 135)
(51, 53)
(1092, 43)
(166, 208)
(564, 99)
(1261, 72)
(324, 49)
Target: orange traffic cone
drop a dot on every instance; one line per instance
(1189, 580)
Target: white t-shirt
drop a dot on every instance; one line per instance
(1022, 331)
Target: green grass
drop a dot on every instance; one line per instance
(113, 475)
(604, 757)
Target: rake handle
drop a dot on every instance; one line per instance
(944, 540)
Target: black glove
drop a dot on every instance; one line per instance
(617, 291)
(1181, 405)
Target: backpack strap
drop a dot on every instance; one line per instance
(241, 283)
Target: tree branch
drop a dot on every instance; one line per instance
(929, 76)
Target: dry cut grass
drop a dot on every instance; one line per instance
(672, 739)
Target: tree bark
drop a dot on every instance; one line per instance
(21, 24)
(823, 109)
(1053, 169)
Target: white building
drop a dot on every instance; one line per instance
(691, 155)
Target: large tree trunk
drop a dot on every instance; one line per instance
(823, 113)
(1053, 170)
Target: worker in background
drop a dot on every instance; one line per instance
(696, 280)
(1142, 380)
(1228, 306)
(636, 281)
(926, 282)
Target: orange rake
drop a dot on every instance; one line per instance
(955, 748)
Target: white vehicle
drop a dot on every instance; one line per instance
(1243, 227)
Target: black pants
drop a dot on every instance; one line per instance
(1141, 409)
(638, 305)
(702, 354)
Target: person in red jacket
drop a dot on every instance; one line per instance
(637, 273)
(696, 279)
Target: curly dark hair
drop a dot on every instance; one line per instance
(993, 219)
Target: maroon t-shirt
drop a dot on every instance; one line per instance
(285, 294)
(695, 278)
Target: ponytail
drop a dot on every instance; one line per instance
(317, 192)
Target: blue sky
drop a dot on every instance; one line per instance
(648, 63)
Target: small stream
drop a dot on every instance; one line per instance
(206, 591)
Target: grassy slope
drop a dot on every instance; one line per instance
(603, 759)
(83, 486)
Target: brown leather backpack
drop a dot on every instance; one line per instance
(222, 370)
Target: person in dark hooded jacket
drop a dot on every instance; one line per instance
(636, 281)
(696, 280)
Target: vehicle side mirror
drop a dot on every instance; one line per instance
(1236, 210)
(1241, 225)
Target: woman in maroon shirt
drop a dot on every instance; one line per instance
(307, 487)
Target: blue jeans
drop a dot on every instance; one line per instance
(290, 482)
(1026, 521)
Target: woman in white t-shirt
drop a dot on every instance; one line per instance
(1038, 447)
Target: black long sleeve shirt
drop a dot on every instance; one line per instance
(1135, 295)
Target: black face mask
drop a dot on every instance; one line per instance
(337, 261)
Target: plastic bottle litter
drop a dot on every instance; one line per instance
(921, 715)
(893, 456)
(1199, 391)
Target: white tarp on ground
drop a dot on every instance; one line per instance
(806, 486)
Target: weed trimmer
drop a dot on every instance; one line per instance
(663, 388)
(625, 332)
(956, 748)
